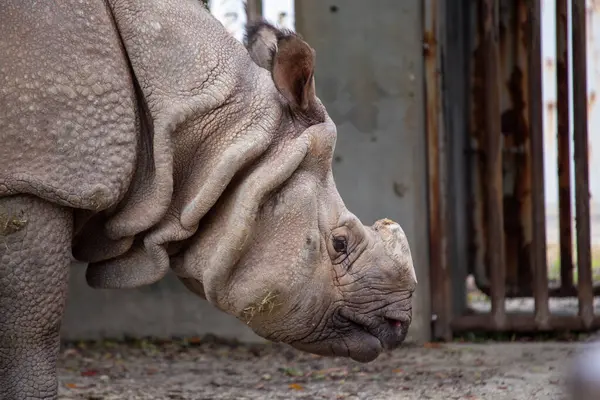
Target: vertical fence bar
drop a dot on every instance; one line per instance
(563, 145)
(253, 10)
(580, 139)
(441, 298)
(493, 156)
(536, 121)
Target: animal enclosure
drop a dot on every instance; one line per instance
(488, 135)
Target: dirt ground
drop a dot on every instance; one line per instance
(208, 370)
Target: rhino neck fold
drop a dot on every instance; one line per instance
(203, 124)
(218, 246)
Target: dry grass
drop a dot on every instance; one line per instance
(11, 223)
(265, 304)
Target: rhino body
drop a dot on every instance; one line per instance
(139, 136)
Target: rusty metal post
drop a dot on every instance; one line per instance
(441, 298)
(580, 139)
(536, 121)
(563, 146)
(522, 323)
(493, 159)
(253, 10)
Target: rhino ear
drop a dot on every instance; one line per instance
(289, 58)
(261, 42)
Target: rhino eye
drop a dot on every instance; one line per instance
(340, 244)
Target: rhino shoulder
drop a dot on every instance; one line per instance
(68, 126)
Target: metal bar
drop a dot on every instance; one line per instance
(580, 138)
(493, 156)
(571, 291)
(559, 291)
(441, 299)
(523, 323)
(253, 10)
(536, 121)
(563, 145)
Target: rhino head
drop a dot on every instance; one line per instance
(254, 223)
(307, 271)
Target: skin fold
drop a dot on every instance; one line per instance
(140, 137)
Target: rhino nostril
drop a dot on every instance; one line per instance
(396, 323)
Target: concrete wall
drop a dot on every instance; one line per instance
(369, 75)
(163, 310)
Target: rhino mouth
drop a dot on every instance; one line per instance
(389, 329)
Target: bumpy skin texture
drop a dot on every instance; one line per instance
(150, 139)
(35, 239)
(68, 120)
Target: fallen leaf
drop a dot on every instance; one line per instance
(296, 386)
(334, 369)
(71, 385)
(71, 352)
(89, 372)
(338, 374)
(292, 372)
(398, 371)
(432, 345)
(110, 344)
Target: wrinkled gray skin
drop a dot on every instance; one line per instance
(139, 137)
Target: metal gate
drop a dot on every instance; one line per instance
(486, 138)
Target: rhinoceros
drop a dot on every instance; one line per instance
(140, 137)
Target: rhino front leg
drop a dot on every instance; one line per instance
(35, 243)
